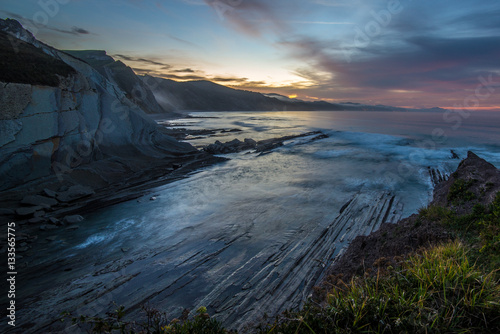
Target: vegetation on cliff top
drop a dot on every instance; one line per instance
(21, 62)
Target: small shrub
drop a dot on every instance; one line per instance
(460, 193)
(435, 213)
(156, 323)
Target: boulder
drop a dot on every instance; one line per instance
(74, 193)
(39, 213)
(50, 193)
(73, 219)
(27, 211)
(232, 146)
(37, 200)
(55, 221)
(6, 212)
(36, 220)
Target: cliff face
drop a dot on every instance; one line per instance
(124, 77)
(50, 128)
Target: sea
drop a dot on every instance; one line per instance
(227, 236)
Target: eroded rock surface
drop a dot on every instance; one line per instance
(51, 130)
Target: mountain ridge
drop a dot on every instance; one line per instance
(205, 95)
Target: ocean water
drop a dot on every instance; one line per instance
(204, 233)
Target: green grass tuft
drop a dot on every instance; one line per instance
(459, 192)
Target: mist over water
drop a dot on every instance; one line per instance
(254, 204)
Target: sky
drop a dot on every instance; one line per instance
(407, 53)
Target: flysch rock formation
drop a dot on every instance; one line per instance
(83, 129)
(229, 271)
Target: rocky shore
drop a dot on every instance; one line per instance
(475, 182)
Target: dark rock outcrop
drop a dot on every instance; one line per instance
(232, 146)
(261, 146)
(479, 178)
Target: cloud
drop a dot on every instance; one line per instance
(183, 41)
(32, 25)
(184, 70)
(74, 30)
(252, 17)
(142, 60)
(182, 77)
(230, 79)
(80, 31)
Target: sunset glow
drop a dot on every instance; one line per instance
(314, 48)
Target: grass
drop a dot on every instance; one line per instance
(480, 230)
(460, 193)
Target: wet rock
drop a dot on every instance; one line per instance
(235, 146)
(39, 213)
(153, 198)
(73, 219)
(55, 221)
(27, 211)
(50, 193)
(436, 176)
(246, 286)
(36, 220)
(37, 200)
(51, 238)
(268, 146)
(63, 189)
(6, 212)
(72, 228)
(47, 227)
(232, 146)
(74, 193)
